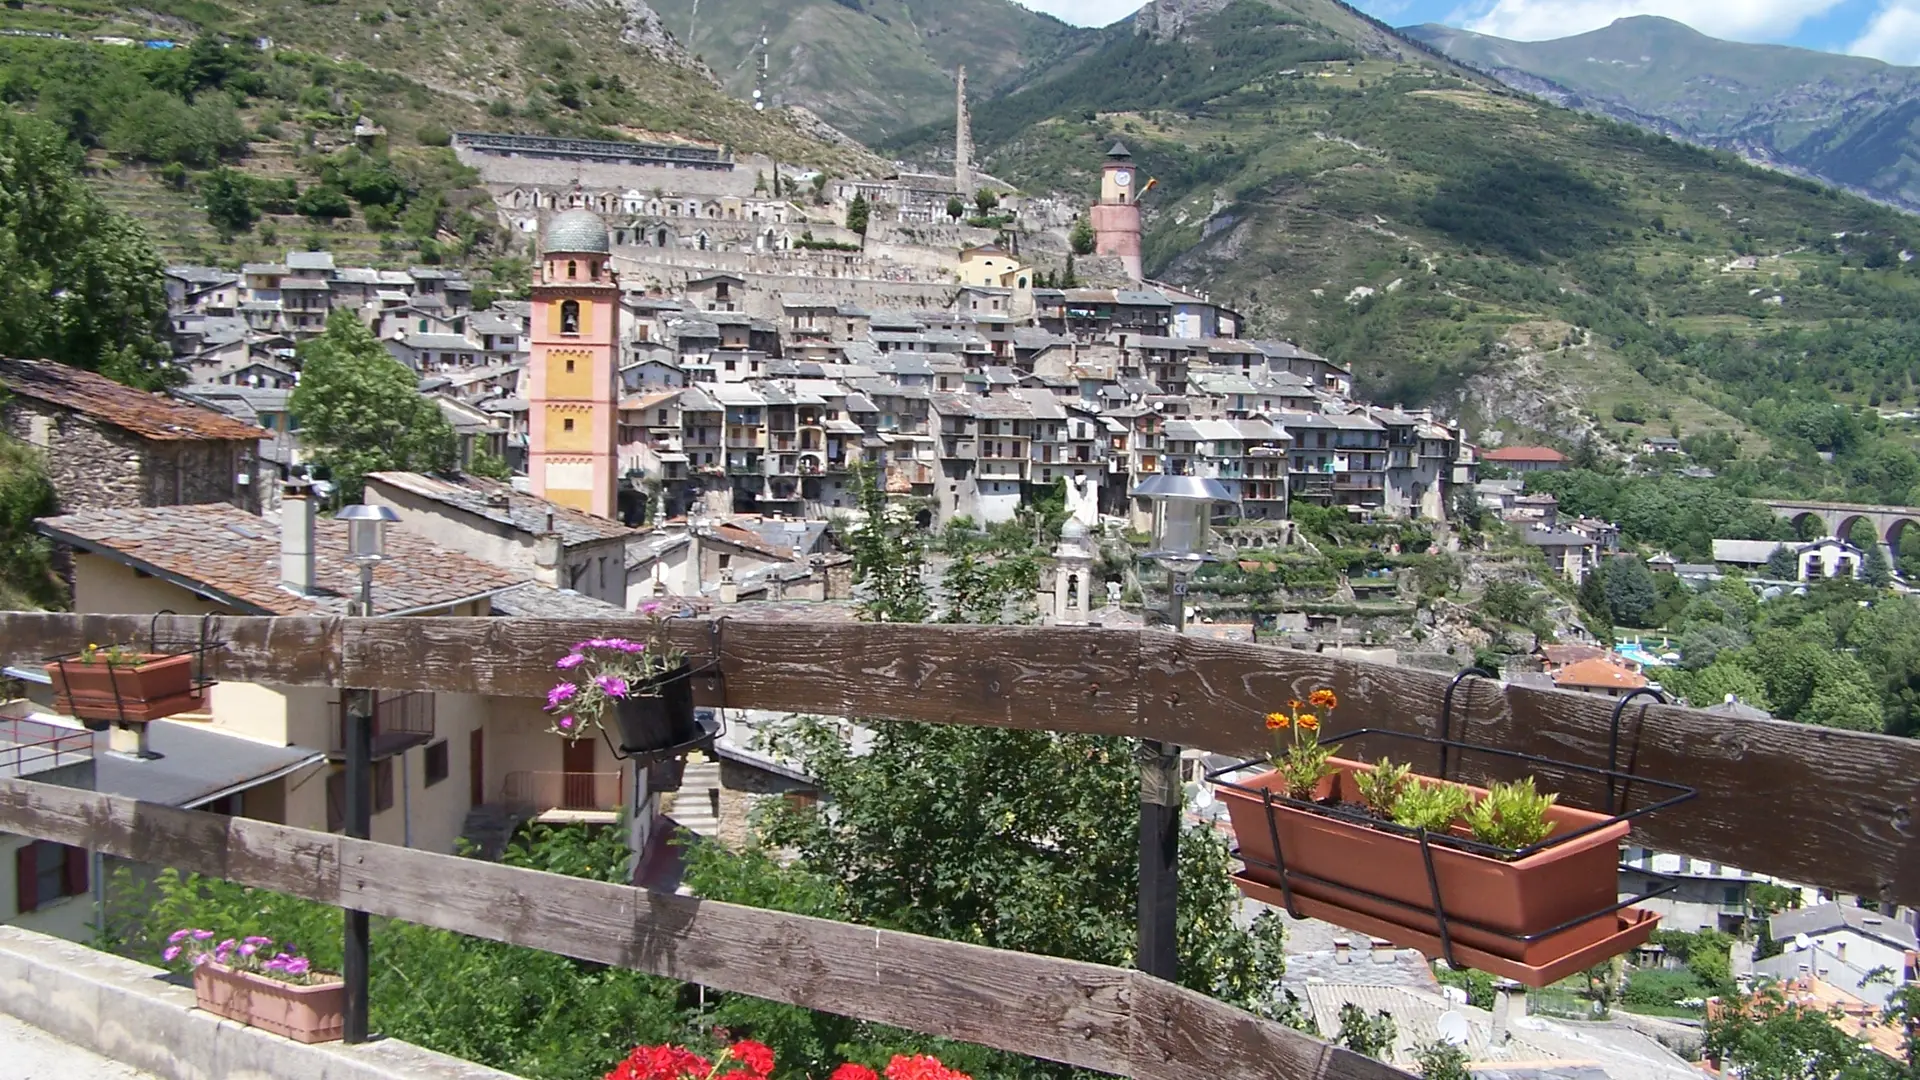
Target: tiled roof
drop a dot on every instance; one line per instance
(532, 600)
(147, 415)
(1603, 674)
(500, 503)
(224, 551)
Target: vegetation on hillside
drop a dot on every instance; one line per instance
(79, 283)
(1316, 177)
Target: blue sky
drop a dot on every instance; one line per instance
(1887, 29)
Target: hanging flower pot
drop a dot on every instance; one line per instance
(640, 691)
(1504, 878)
(117, 684)
(657, 712)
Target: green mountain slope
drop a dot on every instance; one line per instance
(273, 89)
(1844, 119)
(872, 67)
(1459, 244)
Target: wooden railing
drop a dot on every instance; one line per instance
(1095, 1017)
(1839, 809)
(1813, 805)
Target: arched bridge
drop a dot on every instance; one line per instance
(1889, 523)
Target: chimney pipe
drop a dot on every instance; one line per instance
(729, 590)
(1508, 996)
(296, 537)
(1342, 951)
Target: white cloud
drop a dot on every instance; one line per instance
(1893, 34)
(1086, 12)
(1739, 20)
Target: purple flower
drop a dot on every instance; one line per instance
(649, 608)
(278, 963)
(258, 941)
(226, 946)
(560, 695)
(598, 643)
(203, 935)
(172, 954)
(201, 958)
(570, 661)
(611, 685)
(248, 949)
(566, 723)
(178, 936)
(298, 966)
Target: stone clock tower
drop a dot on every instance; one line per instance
(1116, 218)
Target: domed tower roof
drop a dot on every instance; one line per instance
(577, 232)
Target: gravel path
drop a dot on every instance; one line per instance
(27, 1053)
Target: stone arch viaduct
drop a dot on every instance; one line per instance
(1890, 523)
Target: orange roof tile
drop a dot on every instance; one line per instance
(1603, 674)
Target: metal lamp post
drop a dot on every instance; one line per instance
(1182, 537)
(367, 546)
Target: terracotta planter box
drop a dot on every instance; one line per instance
(1488, 901)
(156, 686)
(307, 1014)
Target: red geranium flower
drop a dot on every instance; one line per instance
(754, 1055)
(851, 1071)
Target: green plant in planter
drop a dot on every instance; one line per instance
(1381, 788)
(1433, 807)
(1512, 815)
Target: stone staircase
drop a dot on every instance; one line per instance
(488, 828)
(696, 805)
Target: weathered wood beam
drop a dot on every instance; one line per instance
(1833, 808)
(1088, 1015)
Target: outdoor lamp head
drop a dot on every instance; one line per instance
(367, 531)
(1182, 514)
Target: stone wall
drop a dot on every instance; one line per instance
(98, 467)
(597, 175)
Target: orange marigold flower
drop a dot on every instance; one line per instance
(1276, 721)
(1309, 722)
(1324, 699)
(1295, 704)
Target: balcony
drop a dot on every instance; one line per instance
(401, 721)
(745, 467)
(537, 793)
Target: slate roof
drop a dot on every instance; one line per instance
(532, 600)
(523, 512)
(1825, 918)
(225, 553)
(147, 415)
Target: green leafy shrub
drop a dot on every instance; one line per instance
(1381, 788)
(1512, 815)
(1433, 807)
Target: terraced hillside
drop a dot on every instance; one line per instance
(356, 99)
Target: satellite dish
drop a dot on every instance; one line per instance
(1454, 995)
(1802, 942)
(1454, 1028)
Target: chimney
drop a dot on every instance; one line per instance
(1342, 951)
(729, 592)
(296, 537)
(547, 552)
(1509, 1000)
(1382, 950)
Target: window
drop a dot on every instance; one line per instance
(1732, 894)
(569, 367)
(570, 316)
(573, 269)
(439, 765)
(45, 872)
(567, 424)
(382, 785)
(726, 561)
(663, 416)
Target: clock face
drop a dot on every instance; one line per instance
(1123, 178)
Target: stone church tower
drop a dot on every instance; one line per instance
(962, 141)
(1116, 217)
(574, 368)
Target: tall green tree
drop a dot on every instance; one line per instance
(361, 410)
(1081, 238)
(1631, 591)
(1783, 564)
(229, 201)
(889, 556)
(79, 283)
(857, 214)
(26, 560)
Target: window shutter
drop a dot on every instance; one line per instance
(76, 871)
(26, 890)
